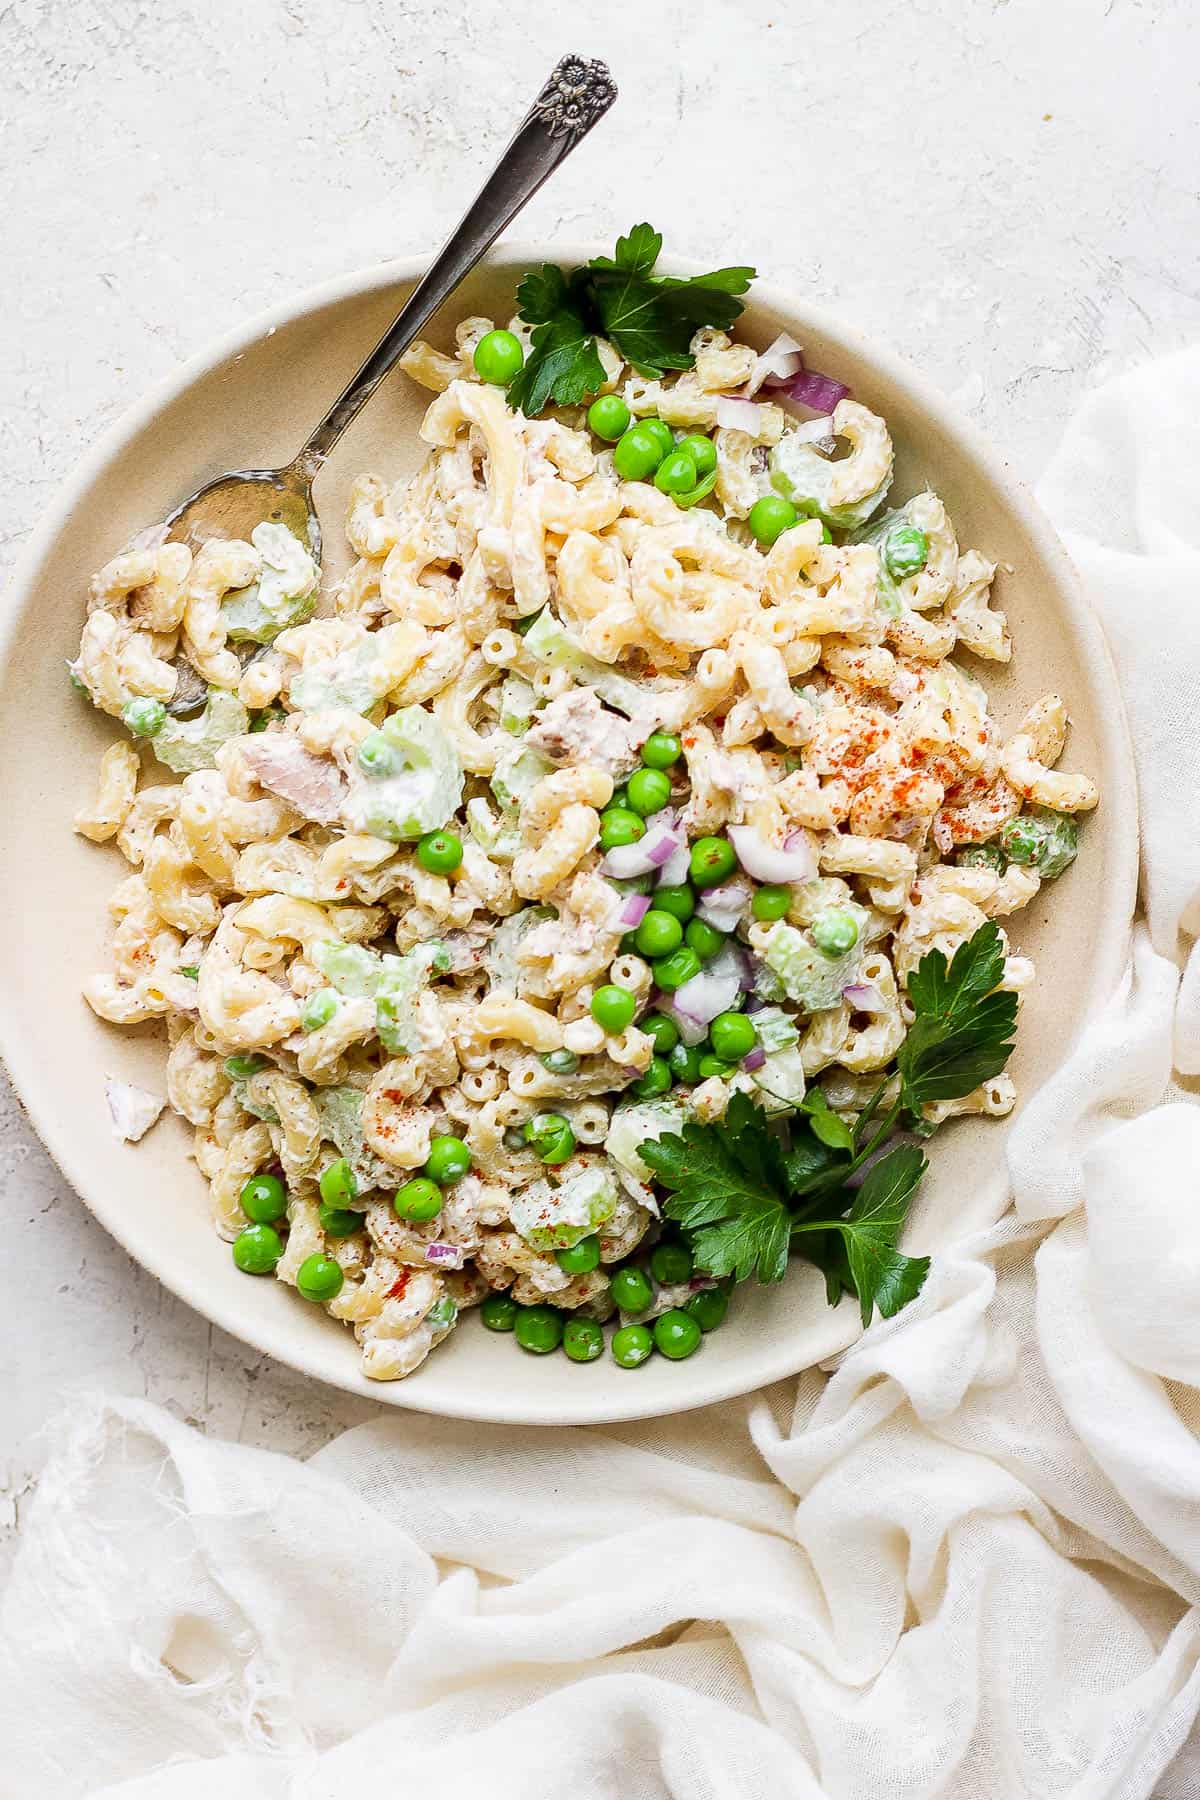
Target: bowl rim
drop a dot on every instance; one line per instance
(518, 1405)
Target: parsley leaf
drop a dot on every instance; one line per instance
(879, 1273)
(826, 1124)
(650, 320)
(727, 1192)
(745, 1189)
(962, 1032)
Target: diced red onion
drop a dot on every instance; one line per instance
(446, 1256)
(810, 388)
(632, 911)
(768, 862)
(724, 907)
(815, 431)
(675, 872)
(864, 997)
(778, 362)
(651, 852)
(754, 1003)
(716, 988)
(692, 1031)
(739, 415)
(754, 1059)
(706, 995)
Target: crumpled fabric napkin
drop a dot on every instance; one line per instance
(965, 1565)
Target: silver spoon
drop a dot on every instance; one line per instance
(576, 95)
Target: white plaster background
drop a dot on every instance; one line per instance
(1005, 190)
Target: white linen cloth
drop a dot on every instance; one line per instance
(967, 1565)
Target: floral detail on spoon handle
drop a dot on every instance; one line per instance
(580, 90)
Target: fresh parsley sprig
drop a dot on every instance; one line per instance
(649, 319)
(747, 1190)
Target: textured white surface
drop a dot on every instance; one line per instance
(1003, 191)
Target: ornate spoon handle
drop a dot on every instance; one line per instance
(577, 94)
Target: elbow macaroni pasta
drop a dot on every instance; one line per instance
(336, 992)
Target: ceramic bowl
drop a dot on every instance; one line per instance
(250, 401)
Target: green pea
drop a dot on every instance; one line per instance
(241, 1068)
(552, 1137)
(661, 749)
(702, 451)
(732, 1036)
(982, 856)
(257, 1249)
(662, 1032)
(559, 1062)
(498, 1312)
(317, 1009)
(676, 1334)
(620, 797)
(905, 551)
(835, 931)
(613, 1008)
(656, 1079)
(338, 1221)
(619, 825)
(440, 852)
(771, 902)
(631, 1346)
(712, 1065)
(708, 1307)
(583, 1340)
(649, 791)
(442, 1314)
(631, 1290)
(671, 1264)
(684, 1063)
(608, 417)
(418, 1201)
(144, 718)
(377, 756)
(671, 972)
(498, 357)
(627, 943)
(448, 1160)
(679, 901)
(338, 1182)
(264, 1199)
(580, 1258)
(676, 473)
(638, 453)
(712, 859)
(658, 934)
(704, 939)
(770, 517)
(539, 1329)
(662, 434)
(319, 1279)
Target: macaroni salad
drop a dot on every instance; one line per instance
(638, 761)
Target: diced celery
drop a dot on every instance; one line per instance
(556, 1218)
(186, 745)
(810, 977)
(285, 594)
(424, 793)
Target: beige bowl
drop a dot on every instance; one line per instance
(250, 401)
